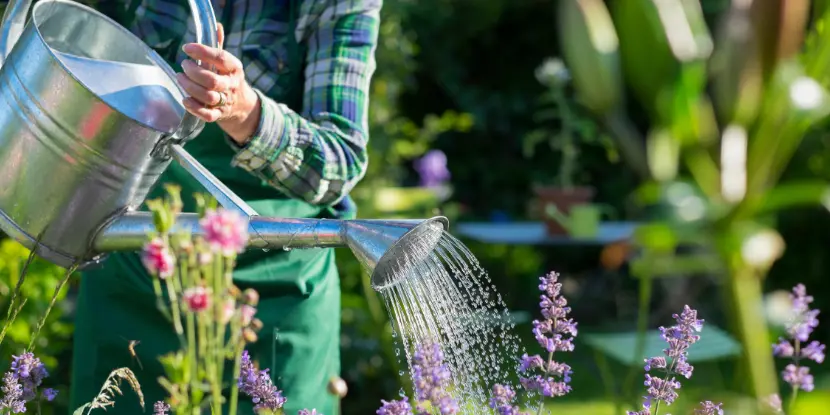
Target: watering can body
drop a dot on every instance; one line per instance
(85, 108)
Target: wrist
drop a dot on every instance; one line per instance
(243, 124)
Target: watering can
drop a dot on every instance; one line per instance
(90, 117)
(582, 221)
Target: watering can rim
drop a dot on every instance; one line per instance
(152, 55)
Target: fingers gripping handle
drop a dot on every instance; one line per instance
(204, 21)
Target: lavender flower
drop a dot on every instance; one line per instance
(12, 394)
(502, 401)
(30, 372)
(257, 384)
(160, 408)
(555, 334)
(432, 168)
(50, 394)
(802, 324)
(709, 408)
(664, 389)
(400, 407)
(431, 376)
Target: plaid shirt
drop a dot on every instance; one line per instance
(319, 154)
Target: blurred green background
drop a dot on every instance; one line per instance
(463, 77)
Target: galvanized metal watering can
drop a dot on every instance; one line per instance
(90, 117)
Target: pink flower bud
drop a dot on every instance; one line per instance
(225, 231)
(247, 314)
(158, 259)
(197, 299)
(228, 309)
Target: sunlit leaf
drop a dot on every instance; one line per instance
(591, 49)
(655, 38)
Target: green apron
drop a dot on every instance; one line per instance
(299, 294)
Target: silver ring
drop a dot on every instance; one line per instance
(222, 100)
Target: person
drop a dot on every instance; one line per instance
(286, 130)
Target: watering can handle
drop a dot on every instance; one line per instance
(14, 21)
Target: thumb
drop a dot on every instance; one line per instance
(220, 35)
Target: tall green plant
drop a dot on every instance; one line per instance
(726, 114)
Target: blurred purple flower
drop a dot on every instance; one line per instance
(803, 322)
(307, 412)
(50, 394)
(709, 408)
(160, 408)
(555, 334)
(257, 384)
(502, 399)
(400, 407)
(432, 168)
(431, 377)
(30, 372)
(12, 394)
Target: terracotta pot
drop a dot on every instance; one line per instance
(564, 199)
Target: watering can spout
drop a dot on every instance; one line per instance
(385, 248)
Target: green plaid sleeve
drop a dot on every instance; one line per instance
(320, 155)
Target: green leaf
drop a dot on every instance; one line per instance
(714, 344)
(656, 36)
(789, 195)
(591, 49)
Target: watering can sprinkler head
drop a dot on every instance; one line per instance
(390, 249)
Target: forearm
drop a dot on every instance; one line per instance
(318, 158)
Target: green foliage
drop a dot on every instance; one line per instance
(564, 125)
(41, 280)
(715, 168)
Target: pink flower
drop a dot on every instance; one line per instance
(158, 259)
(228, 309)
(197, 299)
(226, 231)
(247, 314)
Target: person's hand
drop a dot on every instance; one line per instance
(222, 96)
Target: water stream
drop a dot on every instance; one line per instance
(450, 299)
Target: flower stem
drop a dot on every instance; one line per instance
(797, 362)
(237, 364)
(174, 303)
(42, 320)
(791, 406)
(11, 313)
(545, 373)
